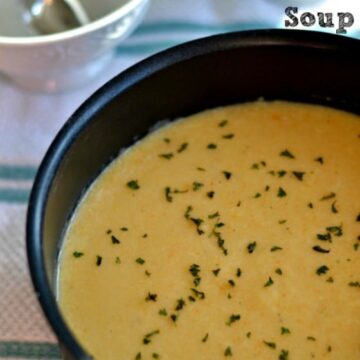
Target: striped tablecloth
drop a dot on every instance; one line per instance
(28, 123)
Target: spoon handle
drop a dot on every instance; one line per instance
(78, 11)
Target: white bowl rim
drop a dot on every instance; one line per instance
(77, 32)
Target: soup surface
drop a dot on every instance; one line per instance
(233, 233)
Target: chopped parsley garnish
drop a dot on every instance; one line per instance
(285, 330)
(288, 154)
(174, 317)
(199, 294)
(228, 136)
(238, 272)
(167, 156)
(354, 284)
(227, 175)
(198, 223)
(335, 230)
(197, 185)
(328, 196)
(231, 283)
(334, 210)
(212, 146)
(319, 160)
(140, 261)
(271, 345)
(183, 147)
(281, 192)
(180, 304)
(358, 218)
(278, 271)
(228, 351)
(322, 270)
(269, 282)
(151, 297)
(257, 195)
(324, 237)
(195, 271)
(276, 248)
(255, 166)
(117, 260)
(145, 236)
(216, 272)
(147, 273)
(251, 247)
(78, 254)
(284, 355)
(223, 123)
(115, 240)
(138, 356)
(299, 175)
(281, 222)
(320, 249)
(330, 280)
(133, 185)
(311, 338)
(98, 260)
(281, 173)
(248, 335)
(155, 356)
(148, 337)
(163, 312)
(214, 215)
(167, 140)
(168, 194)
(210, 194)
(233, 318)
(124, 229)
(205, 338)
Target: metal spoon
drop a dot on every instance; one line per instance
(53, 16)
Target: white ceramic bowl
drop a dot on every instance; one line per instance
(60, 61)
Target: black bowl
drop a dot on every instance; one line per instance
(220, 70)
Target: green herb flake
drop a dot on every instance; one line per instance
(328, 196)
(117, 260)
(182, 147)
(200, 169)
(281, 222)
(147, 273)
(98, 260)
(232, 319)
(271, 345)
(335, 230)
(151, 297)
(320, 249)
(214, 215)
(248, 335)
(281, 192)
(133, 185)
(223, 123)
(276, 248)
(310, 205)
(358, 218)
(228, 136)
(148, 337)
(163, 312)
(155, 356)
(115, 240)
(138, 356)
(227, 175)
(166, 140)
(145, 236)
(269, 282)
(216, 271)
(199, 294)
(168, 193)
(231, 282)
(180, 304)
(251, 247)
(195, 271)
(288, 154)
(278, 271)
(284, 355)
(255, 166)
(197, 223)
(210, 194)
(356, 246)
(174, 317)
(285, 330)
(320, 160)
(167, 156)
(257, 195)
(228, 351)
(281, 173)
(354, 284)
(334, 210)
(299, 175)
(78, 254)
(197, 185)
(205, 338)
(330, 279)
(140, 261)
(324, 237)
(310, 338)
(212, 146)
(238, 272)
(322, 270)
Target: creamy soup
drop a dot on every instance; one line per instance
(233, 233)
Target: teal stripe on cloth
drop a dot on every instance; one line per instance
(13, 172)
(192, 27)
(29, 350)
(146, 47)
(14, 196)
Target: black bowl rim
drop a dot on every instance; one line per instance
(125, 80)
